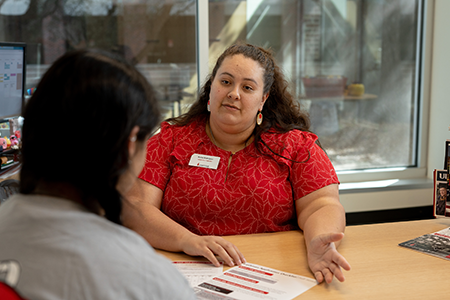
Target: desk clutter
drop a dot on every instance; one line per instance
(10, 143)
(436, 243)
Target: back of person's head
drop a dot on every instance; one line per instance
(77, 126)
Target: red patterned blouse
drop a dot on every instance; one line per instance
(256, 193)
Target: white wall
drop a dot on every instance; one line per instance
(440, 86)
(381, 200)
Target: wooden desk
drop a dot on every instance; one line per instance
(380, 268)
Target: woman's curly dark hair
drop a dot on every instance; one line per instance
(281, 112)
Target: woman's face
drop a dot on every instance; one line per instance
(237, 94)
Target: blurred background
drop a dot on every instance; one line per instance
(354, 65)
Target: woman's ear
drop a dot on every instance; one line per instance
(263, 101)
(132, 139)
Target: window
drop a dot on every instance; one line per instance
(352, 64)
(156, 36)
(323, 46)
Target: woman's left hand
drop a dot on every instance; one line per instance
(324, 260)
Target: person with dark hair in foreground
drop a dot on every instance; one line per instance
(242, 160)
(84, 138)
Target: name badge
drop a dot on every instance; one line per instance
(204, 161)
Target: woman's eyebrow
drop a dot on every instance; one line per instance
(247, 79)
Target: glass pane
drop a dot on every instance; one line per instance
(351, 64)
(156, 36)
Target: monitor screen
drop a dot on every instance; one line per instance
(12, 79)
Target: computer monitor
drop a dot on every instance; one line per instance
(12, 79)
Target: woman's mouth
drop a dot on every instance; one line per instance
(229, 106)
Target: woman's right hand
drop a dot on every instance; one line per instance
(210, 246)
(142, 213)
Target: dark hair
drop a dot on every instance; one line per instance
(77, 126)
(281, 112)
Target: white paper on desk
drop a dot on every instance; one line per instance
(250, 281)
(197, 272)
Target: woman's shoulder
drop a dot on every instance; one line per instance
(179, 140)
(293, 138)
(174, 128)
(180, 133)
(286, 147)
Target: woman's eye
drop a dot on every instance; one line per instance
(248, 88)
(225, 81)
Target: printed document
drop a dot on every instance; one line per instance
(250, 281)
(197, 272)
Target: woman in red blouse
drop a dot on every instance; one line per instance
(241, 161)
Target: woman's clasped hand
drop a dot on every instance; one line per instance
(210, 246)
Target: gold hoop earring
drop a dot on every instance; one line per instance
(259, 118)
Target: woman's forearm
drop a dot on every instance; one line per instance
(327, 219)
(141, 212)
(157, 228)
(320, 212)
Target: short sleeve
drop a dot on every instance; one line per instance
(314, 169)
(156, 169)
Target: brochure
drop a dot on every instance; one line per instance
(250, 281)
(197, 272)
(441, 201)
(436, 243)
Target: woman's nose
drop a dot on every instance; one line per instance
(234, 94)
